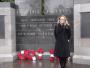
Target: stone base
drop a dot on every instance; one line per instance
(8, 57)
(79, 59)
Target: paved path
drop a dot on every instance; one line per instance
(39, 64)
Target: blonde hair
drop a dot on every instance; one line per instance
(66, 23)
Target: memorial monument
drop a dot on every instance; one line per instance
(35, 21)
(7, 32)
(29, 24)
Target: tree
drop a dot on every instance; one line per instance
(42, 7)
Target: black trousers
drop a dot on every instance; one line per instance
(63, 61)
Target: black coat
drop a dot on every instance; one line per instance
(62, 35)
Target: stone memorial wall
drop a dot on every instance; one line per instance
(35, 31)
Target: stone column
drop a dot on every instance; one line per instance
(81, 45)
(8, 42)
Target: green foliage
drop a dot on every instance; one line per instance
(42, 7)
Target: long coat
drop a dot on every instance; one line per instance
(62, 35)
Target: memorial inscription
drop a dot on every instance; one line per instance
(2, 27)
(35, 31)
(85, 25)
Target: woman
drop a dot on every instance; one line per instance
(62, 34)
